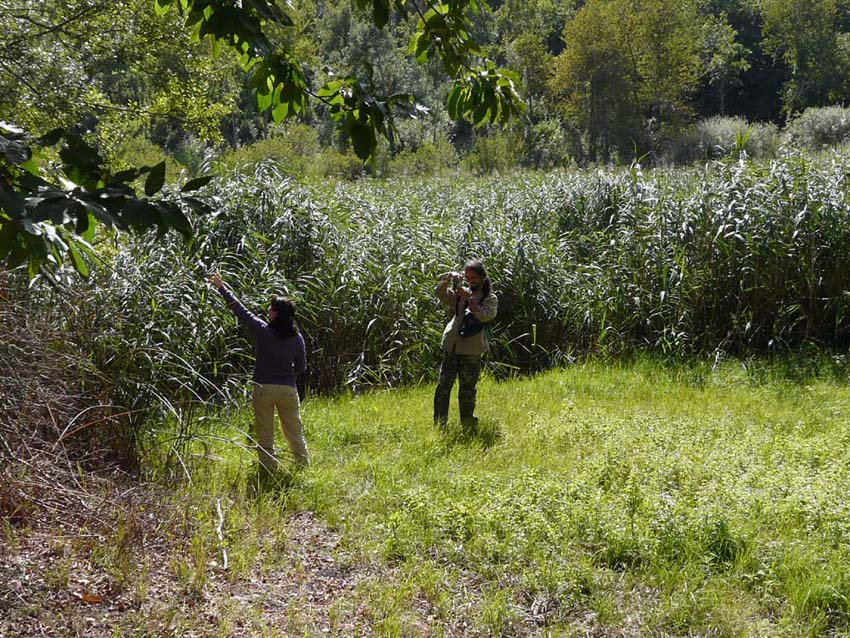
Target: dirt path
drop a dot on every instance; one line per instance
(312, 590)
(59, 578)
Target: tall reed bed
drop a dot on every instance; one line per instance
(730, 258)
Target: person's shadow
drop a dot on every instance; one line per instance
(261, 482)
(483, 432)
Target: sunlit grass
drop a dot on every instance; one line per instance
(657, 501)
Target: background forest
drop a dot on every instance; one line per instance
(607, 80)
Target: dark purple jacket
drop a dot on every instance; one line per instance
(278, 360)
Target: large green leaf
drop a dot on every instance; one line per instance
(11, 202)
(52, 137)
(363, 139)
(80, 157)
(162, 6)
(156, 179)
(380, 13)
(140, 214)
(195, 184)
(200, 207)
(8, 236)
(173, 217)
(77, 260)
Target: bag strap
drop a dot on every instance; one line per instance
(457, 305)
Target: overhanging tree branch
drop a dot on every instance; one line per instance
(51, 29)
(47, 221)
(482, 92)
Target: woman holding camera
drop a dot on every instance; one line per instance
(464, 339)
(280, 356)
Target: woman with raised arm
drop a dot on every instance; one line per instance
(280, 356)
(464, 339)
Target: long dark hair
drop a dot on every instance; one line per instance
(283, 325)
(478, 267)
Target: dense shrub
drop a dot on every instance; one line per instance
(138, 151)
(495, 153)
(431, 158)
(551, 144)
(816, 128)
(296, 149)
(55, 402)
(736, 257)
(334, 165)
(719, 137)
(293, 146)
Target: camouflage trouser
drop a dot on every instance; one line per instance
(466, 369)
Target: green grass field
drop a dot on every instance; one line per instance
(635, 500)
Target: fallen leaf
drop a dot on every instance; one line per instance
(89, 598)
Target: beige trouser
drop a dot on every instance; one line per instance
(266, 398)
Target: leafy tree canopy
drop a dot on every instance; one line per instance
(482, 92)
(806, 36)
(627, 66)
(48, 211)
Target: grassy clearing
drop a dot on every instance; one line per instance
(634, 500)
(630, 500)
